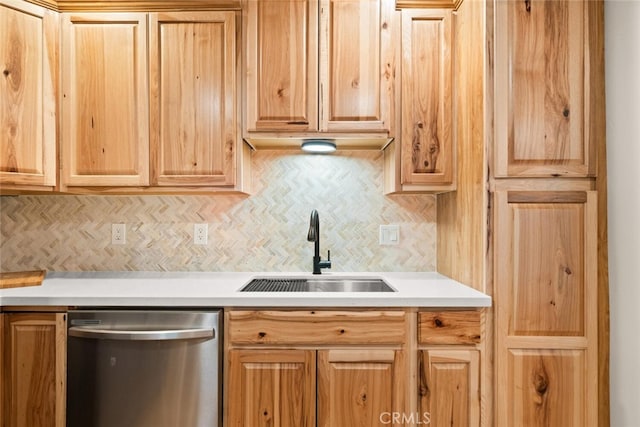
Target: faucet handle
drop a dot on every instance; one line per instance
(325, 264)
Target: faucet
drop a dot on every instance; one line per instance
(314, 236)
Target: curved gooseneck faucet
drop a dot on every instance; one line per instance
(314, 236)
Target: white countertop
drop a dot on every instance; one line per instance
(200, 289)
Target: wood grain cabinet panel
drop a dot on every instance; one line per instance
(33, 369)
(28, 62)
(272, 388)
(313, 327)
(546, 300)
(427, 93)
(282, 65)
(546, 279)
(105, 123)
(193, 98)
(356, 65)
(357, 387)
(449, 327)
(546, 388)
(272, 373)
(329, 67)
(422, 158)
(449, 387)
(542, 89)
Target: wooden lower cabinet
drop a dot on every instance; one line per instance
(449, 368)
(283, 388)
(33, 369)
(325, 368)
(272, 388)
(359, 387)
(449, 387)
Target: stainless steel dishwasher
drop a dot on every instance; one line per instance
(143, 368)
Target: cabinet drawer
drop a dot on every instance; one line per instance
(449, 327)
(314, 327)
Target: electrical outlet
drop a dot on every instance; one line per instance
(118, 234)
(200, 234)
(389, 234)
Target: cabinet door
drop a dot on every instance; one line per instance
(541, 61)
(360, 387)
(193, 98)
(33, 370)
(449, 387)
(282, 65)
(427, 140)
(545, 302)
(274, 388)
(28, 52)
(357, 65)
(105, 123)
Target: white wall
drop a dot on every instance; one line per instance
(622, 53)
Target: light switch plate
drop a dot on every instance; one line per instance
(389, 234)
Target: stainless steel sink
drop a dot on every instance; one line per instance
(320, 284)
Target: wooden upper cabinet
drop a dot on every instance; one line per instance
(33, 369)
(326, 65)
(542, 111)
(193, 98)
(427, 94)
(105, 123)
(282, 65)
(423, 157)
(357, 65)
(28, 63)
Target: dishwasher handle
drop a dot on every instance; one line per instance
(133, 335)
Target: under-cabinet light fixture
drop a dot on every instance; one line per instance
(318, 146)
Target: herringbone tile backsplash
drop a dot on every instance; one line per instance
(263, 232)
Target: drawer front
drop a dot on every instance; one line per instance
(449, 327)
(314, 327)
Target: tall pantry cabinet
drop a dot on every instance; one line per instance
(546, 233)
(536, 240)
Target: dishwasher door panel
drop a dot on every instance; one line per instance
(127, 382)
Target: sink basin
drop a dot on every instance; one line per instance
(320, 284)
